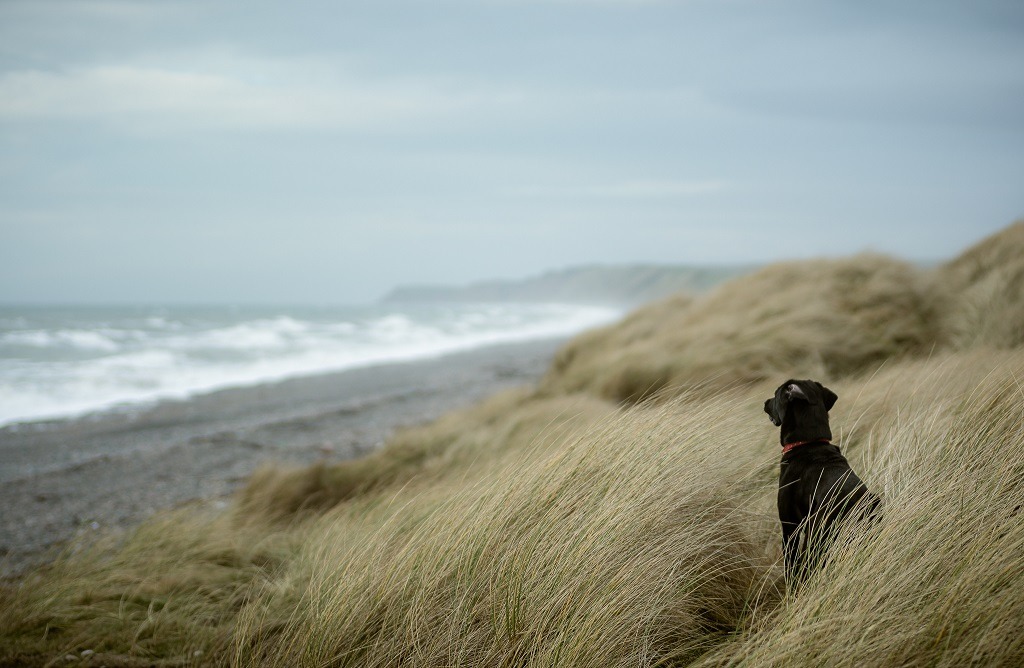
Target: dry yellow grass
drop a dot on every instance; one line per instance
(551, 528)
(987, 283)
(938, 583)
(421, 456)
(801, 319)
(167, 594)
(611, 550)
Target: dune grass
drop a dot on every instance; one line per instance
(800, 319)
(602, 521)
(611, 550)
(447, 449)
(938, 582)
(987, 284)
(166, 594)
(648, 539)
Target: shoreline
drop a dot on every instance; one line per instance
(109, 471)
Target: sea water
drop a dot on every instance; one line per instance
(65, 362)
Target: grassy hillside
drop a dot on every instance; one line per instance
(573, 525)
(821, 318)
(988, 284)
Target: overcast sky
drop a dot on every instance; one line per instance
(326, 151)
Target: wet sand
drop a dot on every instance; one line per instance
(108, 471)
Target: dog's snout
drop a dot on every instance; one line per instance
(769, 408)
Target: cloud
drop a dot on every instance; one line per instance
(120, 10)
(588, 3)
(221, 89)
(627, 190)
(193, 97)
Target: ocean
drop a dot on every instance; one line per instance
(63, 362)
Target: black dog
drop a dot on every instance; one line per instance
(817, 487)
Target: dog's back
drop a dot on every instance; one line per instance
(817, 486)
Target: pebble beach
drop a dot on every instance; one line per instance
(107, 471)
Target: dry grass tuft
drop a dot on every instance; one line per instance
(421, 456)
(168, 593)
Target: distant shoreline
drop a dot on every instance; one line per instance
(112, 469)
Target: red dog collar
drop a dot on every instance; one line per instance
(793, 446)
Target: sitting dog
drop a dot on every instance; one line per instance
(817, 487)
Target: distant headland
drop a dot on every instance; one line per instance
(620, 285)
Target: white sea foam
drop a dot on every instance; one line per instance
(82, 339)
(65, 371)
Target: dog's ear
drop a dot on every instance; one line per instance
(828, 396)
(771, 413)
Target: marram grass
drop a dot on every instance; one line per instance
(938, 581)
(612, 550)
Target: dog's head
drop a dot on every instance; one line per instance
(801, 408)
